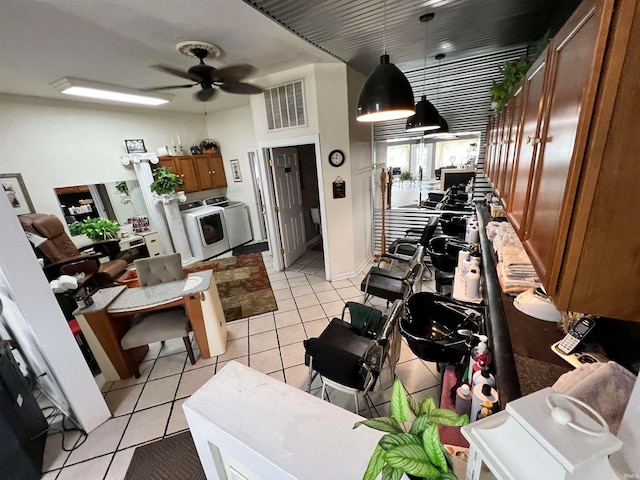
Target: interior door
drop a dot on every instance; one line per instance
(286, 181)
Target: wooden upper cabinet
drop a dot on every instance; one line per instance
(488, 148)
(510, 138)
(217, 169)
(183, 167)
(527, 144)
(199, 172)
(576, 60)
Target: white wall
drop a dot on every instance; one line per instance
(56, 143)
(233, 130)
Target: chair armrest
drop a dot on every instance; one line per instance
(417, 231)
(104, 248)
(402, 258)
(52, 270)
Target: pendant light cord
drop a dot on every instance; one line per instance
(424, 70)
(438, 87)
(384, 27)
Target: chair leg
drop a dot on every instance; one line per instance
(187, 344)
(355, 396)
(311, 376)
(324, 390)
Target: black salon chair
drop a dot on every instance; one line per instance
(350, 356)
(393, 285)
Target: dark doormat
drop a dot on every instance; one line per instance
(252, 248)
(172, 458)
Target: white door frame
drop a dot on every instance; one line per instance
(273, 230)
(254, 162)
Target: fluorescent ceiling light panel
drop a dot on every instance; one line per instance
(84, 88)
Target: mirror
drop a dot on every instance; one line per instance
(417, 165)
(118, 201)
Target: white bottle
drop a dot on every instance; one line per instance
(472, 235)
(462, 254)
(481, 393)
(466, 266)
(483, 376)
(463, 400)
(472, 284)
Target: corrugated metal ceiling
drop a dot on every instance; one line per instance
(353, 30)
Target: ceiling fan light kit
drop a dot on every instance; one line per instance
(427, 116)
(386, 94)
(101, 91)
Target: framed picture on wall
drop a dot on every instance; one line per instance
(235, 170)
(135, 146)
(16, 192)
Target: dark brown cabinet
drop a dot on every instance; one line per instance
(573, 183)
(199, 172)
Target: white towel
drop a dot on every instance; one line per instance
(67, 282)
(606, 387)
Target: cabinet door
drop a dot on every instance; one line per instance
(204, 171)
(488, 151)
(573, 75)
(514, 111)
(528, 141)
(217, 167)
(185, 168)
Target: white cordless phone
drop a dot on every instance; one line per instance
(575, 335)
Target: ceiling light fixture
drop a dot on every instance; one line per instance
(101, 91)
(426, 117)
(386, 94)
(444, 126)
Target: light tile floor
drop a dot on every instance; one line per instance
(150, 407)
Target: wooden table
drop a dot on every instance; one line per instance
(106, 321)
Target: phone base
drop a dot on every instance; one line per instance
(579, 357)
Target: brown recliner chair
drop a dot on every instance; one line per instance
(63, 257)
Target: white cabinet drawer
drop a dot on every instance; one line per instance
(154, 244)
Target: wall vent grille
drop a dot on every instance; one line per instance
(284, 106)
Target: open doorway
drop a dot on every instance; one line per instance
(294, 205)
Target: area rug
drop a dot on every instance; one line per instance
(172, 458)
(251, 248)
(243, 285)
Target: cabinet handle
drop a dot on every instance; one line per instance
(533, 140)
(213, 172)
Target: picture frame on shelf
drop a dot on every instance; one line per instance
(135, 146)
(235, 170)
(14, 188)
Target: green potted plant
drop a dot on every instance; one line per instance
(416, 451)
(166, 181)
(512, 73)
(123, 188)
(96, 229)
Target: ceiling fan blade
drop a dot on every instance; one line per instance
(239, 87)
(153, 89)
(177, 72)
(234, 73)
(205, 94)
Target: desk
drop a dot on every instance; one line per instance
(105, 322)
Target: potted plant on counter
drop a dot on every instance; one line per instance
(97, 229)
(512, 73)
(416, 451)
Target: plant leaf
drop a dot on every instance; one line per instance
(376, 462)
(432, 447)
(414, 406)
(399, 406)
(392, 440)
(447, 476)
(419, 424)
(390, 473)
(384, 424)
(411, 459)
(443, 416)
(427, 405)
(462, 420)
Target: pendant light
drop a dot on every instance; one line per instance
(444, 126)
(386, 94)
(426, 117)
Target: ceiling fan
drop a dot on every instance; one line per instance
(227, 79)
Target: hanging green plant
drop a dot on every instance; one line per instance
(122, 187)
(512, 73)
(166, 181)
(96, 229)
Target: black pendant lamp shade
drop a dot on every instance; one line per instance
(426, 117)
(444, 128)
(385, 95)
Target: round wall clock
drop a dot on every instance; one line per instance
(336, 158)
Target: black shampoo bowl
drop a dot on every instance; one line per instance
(432, 323)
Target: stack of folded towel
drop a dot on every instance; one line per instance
(515, 271)
(63, 284)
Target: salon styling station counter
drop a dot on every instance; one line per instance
(106, 321)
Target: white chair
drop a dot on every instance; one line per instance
(160, 325)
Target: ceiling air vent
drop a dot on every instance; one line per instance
(285, 106)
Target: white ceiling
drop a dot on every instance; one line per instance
(116, 42)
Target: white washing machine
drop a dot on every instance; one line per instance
(236, 216)
(206, 229)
